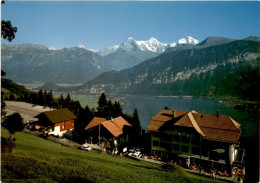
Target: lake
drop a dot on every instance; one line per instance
(148, 106)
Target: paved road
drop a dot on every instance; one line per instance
(22, 110)
(27, 110)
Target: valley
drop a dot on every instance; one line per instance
(219, 68)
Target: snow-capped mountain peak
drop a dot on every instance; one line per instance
(130, 38)
(109, 50)
(152, 45)
(152, 39)
(129, 44)
(52, 48)
(81, 46)
(188, 40)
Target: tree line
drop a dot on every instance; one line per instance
(106, 108)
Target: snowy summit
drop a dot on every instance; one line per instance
(52, 48)
(151, 45)
(81, 46)
(188, 40)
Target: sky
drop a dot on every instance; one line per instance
(100, 24)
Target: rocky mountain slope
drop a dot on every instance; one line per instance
(132, 52)
(35, 63)
(31, 63)
(214, 67)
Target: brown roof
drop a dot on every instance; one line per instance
(58, 115)
(161, 118)
(95, 122)
(114, 126)
(211, 127)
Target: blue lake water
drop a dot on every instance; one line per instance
(148, 106)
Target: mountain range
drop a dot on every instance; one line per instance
(152, 45)
(132, 52)
(216, 66)
(30, 63)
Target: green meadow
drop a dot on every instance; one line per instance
(38, 160)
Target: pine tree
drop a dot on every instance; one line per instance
(108, 110)
(136, 119)
(67, 101)
(50, 100)
(102, 104)
(61, 101)
(117, 110)
(40, 97)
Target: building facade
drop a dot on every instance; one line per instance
(201, 141)
(112, 133)
(56, 122)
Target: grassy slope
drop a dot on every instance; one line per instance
(38, 159)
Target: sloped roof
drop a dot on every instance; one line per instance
(114, 126)
(162, 117)
(58, 115)
(211, 127)
(95, 122)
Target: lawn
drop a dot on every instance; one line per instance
(38, 160)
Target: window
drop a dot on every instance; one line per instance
(185, 148)
(163, 144)
(195, 150)
(169, 147)
(62, 127)
(176, 137)
(176, 147)
(156, 134)
(196, 140)
(155, 143)
(166, 137)
(185, 138)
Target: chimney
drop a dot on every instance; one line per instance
(173, 113)
(218, 113)
(111, 119)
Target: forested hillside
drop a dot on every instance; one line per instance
(226, 69)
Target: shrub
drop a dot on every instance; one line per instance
(7, 146)
(68, 134)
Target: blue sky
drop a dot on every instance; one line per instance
(98, 25)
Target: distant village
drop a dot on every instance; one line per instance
(205, 144)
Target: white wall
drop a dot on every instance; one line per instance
(57, 131)
(232, 153)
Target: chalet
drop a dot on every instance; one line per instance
(113, 132)
(203, 141)
(57, 122)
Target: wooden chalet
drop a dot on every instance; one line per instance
(56, 122)
(114, 131)
(204, 141)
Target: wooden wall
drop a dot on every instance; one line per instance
(65, 125)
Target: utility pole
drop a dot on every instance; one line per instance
(99, 136)
(200, 153)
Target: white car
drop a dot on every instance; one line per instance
(86, 147)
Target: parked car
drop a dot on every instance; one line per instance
(132, 150)
(136, 151)
(86, 147)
